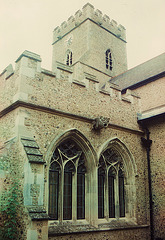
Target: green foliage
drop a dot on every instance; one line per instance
(9, 209)
(11, 199)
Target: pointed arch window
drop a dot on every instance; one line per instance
(67, 182)
(111, 192)
(108, 59)
(69, 58)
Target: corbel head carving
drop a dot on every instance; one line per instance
(100, 122)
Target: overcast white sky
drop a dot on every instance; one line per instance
(28, 25)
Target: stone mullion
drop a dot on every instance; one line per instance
(116, 186)
(93, 197)
(61, 193)
(87, 205)
(74, 196)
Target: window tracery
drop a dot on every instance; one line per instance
(111, 195)
(73, 192)
(67, 173)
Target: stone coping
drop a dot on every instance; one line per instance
(30, 55)
(32, 150)
(37, 213)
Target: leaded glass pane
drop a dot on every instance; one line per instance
(54, 190)
(67, 204)
(121, 194)
(101, 177)
(111, 193)
(81, 192)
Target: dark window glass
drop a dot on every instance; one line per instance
(101, 176)
(121, 194)
(53, 190)
(67, 197)
(67, 208)
(67, 60)
(111, 194)
(71, 58)
(81, 192)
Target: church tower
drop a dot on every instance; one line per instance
(93, 40)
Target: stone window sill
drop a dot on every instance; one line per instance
(81, 226)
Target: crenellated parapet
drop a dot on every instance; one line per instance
(7, 72)
(115, 92)
(32, 80)
(93, 84)
(88, 12)
(62, 92)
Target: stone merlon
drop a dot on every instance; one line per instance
(29, 54)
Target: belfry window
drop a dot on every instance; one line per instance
(69, 58)
(67, 182)
(111, 194)
(108, 59)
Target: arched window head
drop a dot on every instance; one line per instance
(111, 192)
(67, 182)
(69, 58)
(108, 59)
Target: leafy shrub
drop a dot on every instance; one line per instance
(9, 208)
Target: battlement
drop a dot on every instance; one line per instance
(28, 65)
(8, 71)
(115, 91)
(112, 90)
(88, 12)
(30, 55)
(75, 89)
